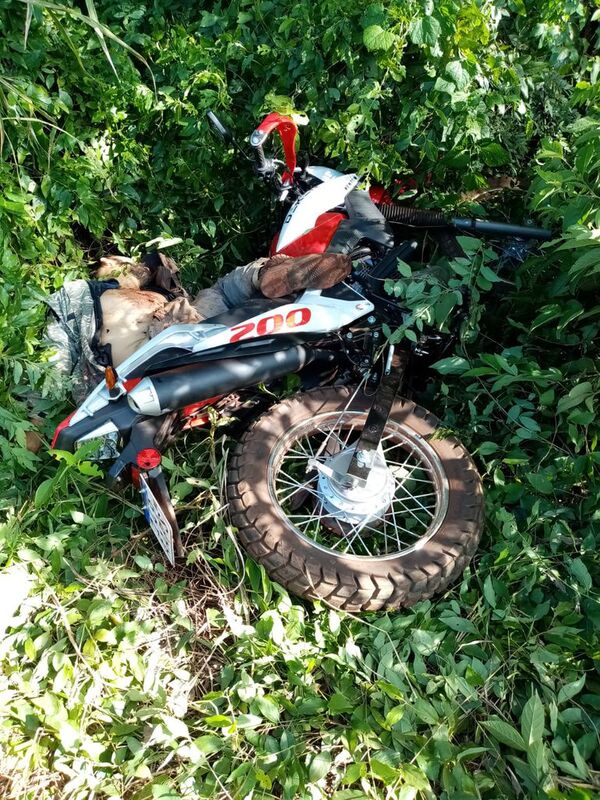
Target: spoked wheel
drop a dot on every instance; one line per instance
(399, 537)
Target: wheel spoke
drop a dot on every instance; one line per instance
(357, 535)
(303, 486)
(404, 462)
(410, 511)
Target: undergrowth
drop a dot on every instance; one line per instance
(124, 679)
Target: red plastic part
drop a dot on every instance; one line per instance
(188, 411)
(130, 383)
(314, 241)
(149, 458)
(405, 185)
(287, 130)
(60, 427)
(135, 476)
(380, 196)
(196, 422)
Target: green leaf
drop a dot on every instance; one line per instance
(488, 591)
(487, 448)
(208, 744)
(547, 314)
(248, 721)
(339, 704)
(98, 611)
(541, 483)
(569, 690)
(394, 715)
(577, 395)
(580, 572)
(458, 73)
(218, 721)
(175, 727)
(376, 38)
(268, 708)
(532, 720)
(454, 365)
(43, 493)
(319, 766)
(425, 30)
(384, 771)
(504, 733)
(404, 269)
(489, 274)
(456, 623)
(425, 711)
(355, 772)
(494, 155)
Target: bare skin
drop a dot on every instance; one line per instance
(131, 315)
(127, 315)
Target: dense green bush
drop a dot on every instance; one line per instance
(126, 681)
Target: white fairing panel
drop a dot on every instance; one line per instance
(323, 173)
(179, 336)
(303, 215)
(311, 313)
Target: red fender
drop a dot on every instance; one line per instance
(287, 130)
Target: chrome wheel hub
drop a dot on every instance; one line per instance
(345, 498)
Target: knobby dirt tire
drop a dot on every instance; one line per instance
(351, 582)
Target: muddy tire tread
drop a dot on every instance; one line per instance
(403, 584)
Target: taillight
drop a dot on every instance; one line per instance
(149, 458)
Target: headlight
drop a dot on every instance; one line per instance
(103, 443)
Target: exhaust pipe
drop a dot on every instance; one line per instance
(170, 391)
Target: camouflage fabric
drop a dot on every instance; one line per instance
(70, 330)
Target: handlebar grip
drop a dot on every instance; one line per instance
(256, 140)
(259, 158)
(485, 226)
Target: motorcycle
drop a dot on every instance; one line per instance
(346, 491)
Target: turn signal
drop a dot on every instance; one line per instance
(111, 378)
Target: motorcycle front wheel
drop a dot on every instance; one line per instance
(402, 536)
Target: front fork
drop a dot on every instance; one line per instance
(370, 437)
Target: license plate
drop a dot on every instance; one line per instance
(157, 520)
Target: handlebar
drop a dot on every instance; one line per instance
(431, 218)
(485, 226)
(256, 141)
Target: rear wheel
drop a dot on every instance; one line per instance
(400, 538)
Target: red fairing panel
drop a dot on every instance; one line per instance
(60, 427)
(380, 196)
(314, 241)
(287, 130)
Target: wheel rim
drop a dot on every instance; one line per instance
(340, 523)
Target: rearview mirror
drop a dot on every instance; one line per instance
(218, 127)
